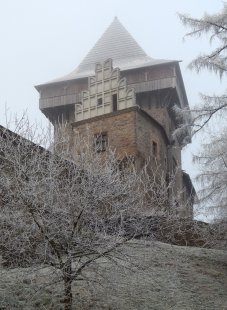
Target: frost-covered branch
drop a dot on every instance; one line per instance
(67, 209)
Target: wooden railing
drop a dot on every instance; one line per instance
(56, 101)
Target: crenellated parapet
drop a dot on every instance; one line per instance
(106, 93)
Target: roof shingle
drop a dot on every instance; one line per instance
(115, 43)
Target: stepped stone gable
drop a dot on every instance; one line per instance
(106, 93)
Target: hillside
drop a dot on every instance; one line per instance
(153, 275)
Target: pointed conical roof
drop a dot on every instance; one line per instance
(118, 44)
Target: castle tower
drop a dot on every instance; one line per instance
(125, 98)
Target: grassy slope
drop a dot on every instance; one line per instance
(160, 277)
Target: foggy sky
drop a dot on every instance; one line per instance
(46, 39)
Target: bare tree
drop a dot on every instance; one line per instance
(213, 176)
(211, 156)
(67, 210)
(214, 26)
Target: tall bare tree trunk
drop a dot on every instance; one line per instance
(68, 285)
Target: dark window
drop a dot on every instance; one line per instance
(99, 101)
(114, 100)
(154, 149)
(101, 142)
(127, 163)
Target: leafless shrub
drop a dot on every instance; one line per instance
(67, 210)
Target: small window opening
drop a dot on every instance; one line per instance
(126, 164)
(114, 100)
(99, 101)
(101, 142)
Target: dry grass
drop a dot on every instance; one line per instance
(153, 275)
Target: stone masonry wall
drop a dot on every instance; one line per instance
(119, 127)
(147, 133)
